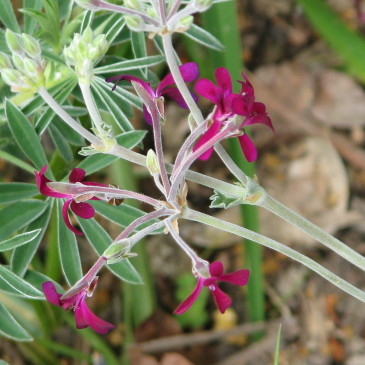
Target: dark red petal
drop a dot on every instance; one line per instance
(216, 268)
(189, 72)
(84, 317)
(239, 277)
(83, 210)
(248, 148)
(208, 90)
(42, 181)
(222, 300)
(76, 175)
(50, 292)
(189, 301)
(224, 80)
(67, 219)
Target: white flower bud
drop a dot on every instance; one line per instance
(11, 76)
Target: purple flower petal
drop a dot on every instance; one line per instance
(189, 301)
(174, 94)
(222, 300)
(67, 219)
(76, 175)
(189, 72)
(246, 87)
(224, 80)
(147, 115)
(50, 292)
(239, 277)
(208, 90)
(42, 181)
(83, 210)
(248, 148)
(216, 268)
(86, 316)
(210, 133)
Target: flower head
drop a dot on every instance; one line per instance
(84, 317)
(81, 209)
(229, 104)
(189, 72)
(216, 274)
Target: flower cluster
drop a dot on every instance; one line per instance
(229, 104)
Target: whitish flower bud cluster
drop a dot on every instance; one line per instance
(24, 70)
(84, 51)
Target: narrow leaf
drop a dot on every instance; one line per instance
(15, 216)
(16, 161)
(203, 37)
(20, 285)
(23, 255)
(19, 240)
(15, 191)
(139, 49)
(25, 135)
(7, 16)
(116, 27)
(128, 65)
(87, 20)
(68, 250)
(61, 143)
(11, 329)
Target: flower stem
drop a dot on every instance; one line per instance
(277, 246)
(91, 107)
(312, 230)
(52, 103)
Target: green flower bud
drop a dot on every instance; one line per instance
(152, 162)
(118, 251)
(87, 35)
(184, 24)
(132, 4)
(202, 5)
(134, 22)
(11, 76)
(151, 12)
(31, 67)
(5, 61)
(31, 46)
(14, 41)
(18, 61)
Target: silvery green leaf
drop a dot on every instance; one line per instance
(219, 200)
(123, 94)
(7, 16)
(15, 191)
(87, 20)
(19, 240)
(68, 250)
(21, 286)
(102, 97)
(128, 65)
(25, 135)
(138, 40)
(203, 37)
(11, 329)
(16, 215)
(116, 27)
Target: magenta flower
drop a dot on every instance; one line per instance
(84, 317)
(222, 300)
(189, 72)
(227, 105)
(81, 209)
